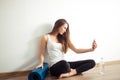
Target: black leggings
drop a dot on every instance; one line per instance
(65, 67)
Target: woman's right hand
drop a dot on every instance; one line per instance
(39, 66)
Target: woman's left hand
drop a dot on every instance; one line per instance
(94, 45)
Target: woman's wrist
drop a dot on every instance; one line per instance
(91, 49)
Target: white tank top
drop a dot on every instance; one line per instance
(54, 52)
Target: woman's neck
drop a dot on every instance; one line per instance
(54, 34)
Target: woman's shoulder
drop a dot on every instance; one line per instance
(44, 37)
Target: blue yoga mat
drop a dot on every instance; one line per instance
(39, 74)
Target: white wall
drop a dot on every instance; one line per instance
(22, 22)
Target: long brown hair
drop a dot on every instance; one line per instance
(63, 39)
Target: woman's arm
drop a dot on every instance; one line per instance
(43, 44)
(72, 47)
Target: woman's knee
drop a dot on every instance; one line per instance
(92, 63)
(65, 65)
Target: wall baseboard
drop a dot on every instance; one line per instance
(107, 63)
(15, 74)
(21, 73)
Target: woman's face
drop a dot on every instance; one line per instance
(63, 29)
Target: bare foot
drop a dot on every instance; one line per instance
(64, 75)
(71, 73)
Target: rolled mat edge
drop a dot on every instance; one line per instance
(39, 73)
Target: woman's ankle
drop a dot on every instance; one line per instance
(73, 72)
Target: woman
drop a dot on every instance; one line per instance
(55, 45)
